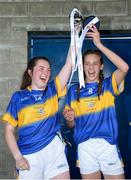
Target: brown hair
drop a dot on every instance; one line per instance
(101, 75)
(26, 79)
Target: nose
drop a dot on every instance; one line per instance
(46, 72)
(91, 66)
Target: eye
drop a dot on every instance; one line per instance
(96, 63)
(87, 64)
(41, 68)
(49, 70)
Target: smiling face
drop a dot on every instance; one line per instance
(92, 67)
(40, 75)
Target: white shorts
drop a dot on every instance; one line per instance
(99, 155)
(46, 163)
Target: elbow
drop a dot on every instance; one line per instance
(126, 69)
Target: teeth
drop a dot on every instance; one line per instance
(91, 74)
(43, 78)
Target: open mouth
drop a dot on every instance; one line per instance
(92, 74)
(43, 79)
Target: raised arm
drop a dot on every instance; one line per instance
(122, 66)
(66, 70)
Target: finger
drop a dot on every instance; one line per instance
(89, 34)
(27, 165)
(94, 27)
(64, 112)
(24, 167)
(71, 109)
(20, 168)
(67, 117)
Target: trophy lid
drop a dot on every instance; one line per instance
(88, 19)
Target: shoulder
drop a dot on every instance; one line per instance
(74, 87)
(51, 86)
(107, 80)
(21, 92)
(109, 84)
(18, 94)
(51, 82)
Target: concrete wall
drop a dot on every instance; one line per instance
(19, 16)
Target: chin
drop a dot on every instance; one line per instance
(92, 80)
(44, 86)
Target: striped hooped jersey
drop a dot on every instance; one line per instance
(95, 118)
(35, 112)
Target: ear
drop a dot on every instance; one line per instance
(102, 66)
(29, 72)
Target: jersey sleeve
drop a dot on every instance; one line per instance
(117, 89)
(68, 99)
(60, 92)
(10, 115)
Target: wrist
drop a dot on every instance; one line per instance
(17, 156)
(70, 121)
(98, 43)
(70, 124)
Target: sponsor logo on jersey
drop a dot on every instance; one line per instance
(41, 111)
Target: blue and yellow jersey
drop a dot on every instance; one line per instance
(95, 118)
(35, 112)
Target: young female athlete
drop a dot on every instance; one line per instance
(39, 152)
(91, 111)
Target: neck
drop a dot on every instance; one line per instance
(37, 88)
